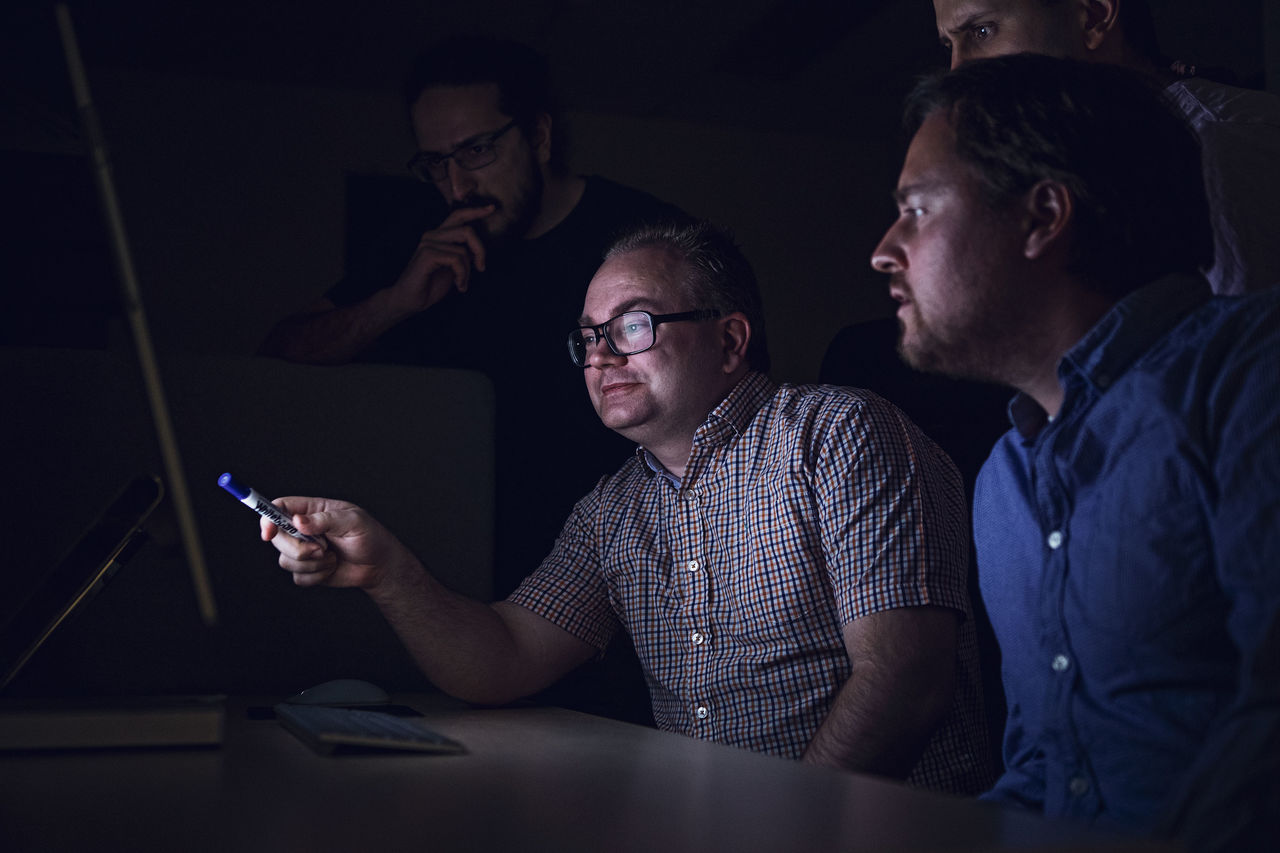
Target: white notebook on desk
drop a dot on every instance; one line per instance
(27, 724)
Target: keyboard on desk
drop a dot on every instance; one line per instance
(327, 730)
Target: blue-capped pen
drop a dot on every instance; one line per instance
(263, 507)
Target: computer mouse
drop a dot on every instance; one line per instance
(341, 691)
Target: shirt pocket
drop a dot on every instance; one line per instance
(776, 595)
(638, 580)
(1147, 570)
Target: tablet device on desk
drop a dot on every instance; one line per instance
(97, 554)
(109, 541)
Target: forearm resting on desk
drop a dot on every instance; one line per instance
(484, 653)
(901, 687)
(327, 334)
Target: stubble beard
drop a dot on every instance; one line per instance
(968, 354)
(521, 211)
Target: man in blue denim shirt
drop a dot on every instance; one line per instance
(1128, 527)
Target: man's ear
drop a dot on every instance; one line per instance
(1049, 210)
(1100, 17)
(735, 331)
(540, 138)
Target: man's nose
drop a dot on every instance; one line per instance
(888, 256)
(600, 354)
(461, 182)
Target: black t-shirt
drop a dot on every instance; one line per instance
(512, 325)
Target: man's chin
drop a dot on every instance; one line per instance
(909, 349)
(620, 419)
(918, 355)
(496, 225)
(613, 418)
(499, 232)
(954, 364)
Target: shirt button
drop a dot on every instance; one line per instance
(702, 712)
(694, 565)
(1079, 786)
(697, 638)
(1061, 663)
(1055, 539)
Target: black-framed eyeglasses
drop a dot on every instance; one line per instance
(627, 334)
(475, 153)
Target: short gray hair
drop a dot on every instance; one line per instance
(719, 275)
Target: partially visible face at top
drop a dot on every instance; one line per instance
(664, 393)
(978, 29)
(954, 261)
(446, 118)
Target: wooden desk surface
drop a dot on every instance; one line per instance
(532, 779)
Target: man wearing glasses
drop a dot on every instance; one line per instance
(486, 124)
(788, 561)
(522, 238)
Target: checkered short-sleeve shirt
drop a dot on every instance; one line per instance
(801, 508)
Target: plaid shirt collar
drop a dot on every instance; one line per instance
(727, 420)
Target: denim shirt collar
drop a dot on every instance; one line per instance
(1130, 328)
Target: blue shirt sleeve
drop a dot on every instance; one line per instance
(1230, 797)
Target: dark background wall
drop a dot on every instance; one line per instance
(240, 133)
(233, 125)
